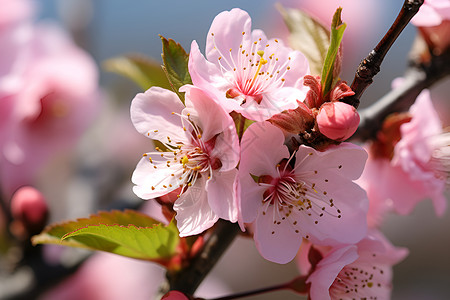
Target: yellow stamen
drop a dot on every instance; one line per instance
(262, 62)
(184, 160)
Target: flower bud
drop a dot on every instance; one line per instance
(29, 211)
(337, 120)
(175, 295)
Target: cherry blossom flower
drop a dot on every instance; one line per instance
(314, 198)
(361, 271)
(202, 153)
(244, 71)
(433, 21)
(408, 172)
(432, 13)
(53, 101)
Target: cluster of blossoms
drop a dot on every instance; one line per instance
(288, 178)
(48, 93)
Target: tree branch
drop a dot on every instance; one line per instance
(417, 78)
(189, 277)
(370, 66)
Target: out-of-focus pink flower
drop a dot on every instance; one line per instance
(53, 101)
(315, 199)
(29, 210)
(361, 271)
(244, 71)
(337, 120)
(203, 151)
(432, 13)
(412, 156)
(402, 177)
(433, 20)
(14, 11)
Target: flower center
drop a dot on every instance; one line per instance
(357, 282)
(249, 73)
(187, 161)
(293, 197)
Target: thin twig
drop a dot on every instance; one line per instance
(189, 277)
(370, 66)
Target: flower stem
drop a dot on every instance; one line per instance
(370, 66)
(191, 275)
(254, 292)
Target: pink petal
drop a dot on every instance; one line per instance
(328, 269)
(221, 189)
(227, 28)
(346, 159)
(151, 182)
(272, 103)
(251, 196)
(352, 203)
(151, 114)
(194, 215)
(276, 243)
(262, 148)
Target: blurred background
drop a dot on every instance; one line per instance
(95, 173)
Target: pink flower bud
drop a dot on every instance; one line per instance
(337, 120)
(175, 295)
(28, 208)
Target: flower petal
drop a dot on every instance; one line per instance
(347, 160)
(340, 216)
(328, 269)
(262, 148)
(151, 182)
(194, 215)
(200, 106)
(226, 33)
(250, 198)
(221, 189)
(276, 242)
(152, 115)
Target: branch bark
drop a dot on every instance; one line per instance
(417, 78)
(190, 276)
(370, 66)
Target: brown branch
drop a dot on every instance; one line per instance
(370, 66)
(417, 78)
(189, 277)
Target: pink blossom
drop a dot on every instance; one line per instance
(315, 198)
(374, 179)
(433, 20)
(412, 154)
(361, 271)
(29, 210)
(203, 151)
(337, 120)
(412, 174)
(57, 99)
(244, 71)
(15, 11)
(432, 13)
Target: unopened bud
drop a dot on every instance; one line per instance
(175, 295)
(337, 120)
(29, 211)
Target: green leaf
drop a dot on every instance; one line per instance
(308, 36)
(337, 32)
(140, 69)
(175, 61)
(128, 233)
